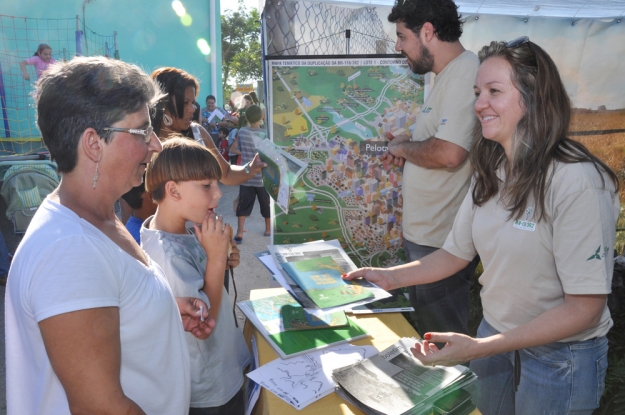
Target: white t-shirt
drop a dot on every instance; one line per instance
(65, 264)
(217, 363)
(529, 264)
(433, 196)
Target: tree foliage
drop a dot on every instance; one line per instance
(240, 45)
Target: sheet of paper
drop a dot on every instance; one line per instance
(216, 113)
(252, 390)
(301, 380)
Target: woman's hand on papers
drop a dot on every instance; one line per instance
(383, 278)
(459, 348)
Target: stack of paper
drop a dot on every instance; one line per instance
(284, 254)
(394, 382)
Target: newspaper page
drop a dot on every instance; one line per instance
(281, 172)
(394, 382)
(298, 252)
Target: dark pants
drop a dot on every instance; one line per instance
(441, 306)
(235, 406)
(247, 197)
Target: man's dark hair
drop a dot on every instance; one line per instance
(224, 130)
(211, 97)
(253, 114)
(88, 92)
(134, 196)
(443, 14)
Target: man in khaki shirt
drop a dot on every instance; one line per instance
(436, 171)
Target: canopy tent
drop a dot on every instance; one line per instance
(576, 9)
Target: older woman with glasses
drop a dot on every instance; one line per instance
(91, 324)
(541, 213)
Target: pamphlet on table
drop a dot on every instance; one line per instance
(297, 252)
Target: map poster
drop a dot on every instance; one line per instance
(334, 113)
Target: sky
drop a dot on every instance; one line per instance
(233, 5)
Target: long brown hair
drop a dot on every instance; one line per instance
(540, 136)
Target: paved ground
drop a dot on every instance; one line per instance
(250, 274)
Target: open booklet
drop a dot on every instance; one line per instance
(281, 173)
(297, 252)
(394, 382)
(265, 315)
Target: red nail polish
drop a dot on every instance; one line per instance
(343, 275)
(427, 336)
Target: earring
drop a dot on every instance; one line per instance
(96, 174)
(167, 120)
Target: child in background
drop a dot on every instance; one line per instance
(249, 137)
(142, 208)
(222, 136)
(41, 60)
(183, 182)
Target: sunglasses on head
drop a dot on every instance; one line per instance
(520, 41)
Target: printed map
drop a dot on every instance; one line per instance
(335, 114)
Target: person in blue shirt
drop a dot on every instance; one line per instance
(142, 208)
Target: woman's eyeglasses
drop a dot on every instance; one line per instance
(520, 41)
(147, 133)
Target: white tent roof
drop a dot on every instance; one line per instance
(577, 9)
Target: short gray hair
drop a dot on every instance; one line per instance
(88, 92)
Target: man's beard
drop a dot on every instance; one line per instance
(424, 64)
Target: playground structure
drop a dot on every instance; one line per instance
(20, 37)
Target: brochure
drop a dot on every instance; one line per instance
(394, 382)
(321, 279)
(297, 252)
(281, 173)
(265, 315)
(296, 318)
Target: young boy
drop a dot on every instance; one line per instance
(249, 137)
(142, 208)
(183, 182)
(222, 137)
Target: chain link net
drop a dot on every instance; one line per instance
(305, 28)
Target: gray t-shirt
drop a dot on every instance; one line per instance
(217, 363)
(248, 140)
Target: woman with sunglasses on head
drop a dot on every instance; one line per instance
(541, 213)
(174, 115)
(91, 324)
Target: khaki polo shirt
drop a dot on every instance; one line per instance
(529, 265)
(433, 196)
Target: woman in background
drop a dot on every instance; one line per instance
(174, 114)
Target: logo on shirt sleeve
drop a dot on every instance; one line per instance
(596, 255)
